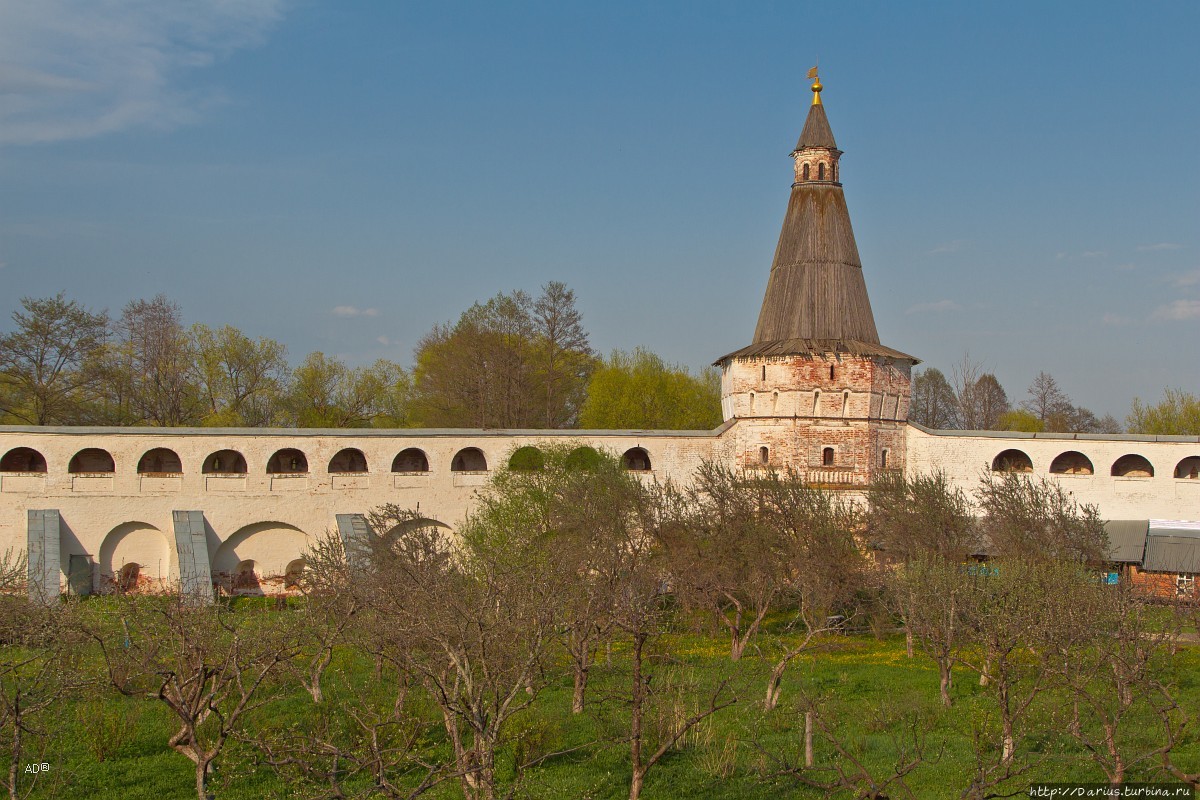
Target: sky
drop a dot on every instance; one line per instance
(1023, 178)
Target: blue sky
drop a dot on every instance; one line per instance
(1023, 178)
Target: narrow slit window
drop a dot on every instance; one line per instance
(845, 403)
(816, 403)
(806, 170)
(827, 457)
(821, 172)
(764, 455)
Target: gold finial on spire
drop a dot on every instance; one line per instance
(816, 87)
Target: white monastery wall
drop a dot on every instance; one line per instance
(964, 455)
(124, 517)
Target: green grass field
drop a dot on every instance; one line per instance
(109, 746)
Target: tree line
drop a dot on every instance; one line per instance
(568, 568)
(514, 361)
(973, 399)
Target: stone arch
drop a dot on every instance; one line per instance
(137, 544)
(161, 461)
(1072, 462)
(444, 531)
(469, 459)
(527, 459)
(288, 461)
(269, 546)
(583, 458)
(91, 459)
(1132, 465)
(348, 460)
(636, 459)
(1012, 460)
(294, 573)
(1188, 468)
(225, 462)
(411, 459)
(23, 459)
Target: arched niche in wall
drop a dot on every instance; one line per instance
(294, 573)
(1132, 465)
(636, 459)
(225, 462)
(129, 545)
(269, 546)
(91, 459)
(469, 459)
(411, 459)
(1071, 462)
(23, 459)
(160, 461)
(1012, 460)
(288, 461)
(349, 460)
(1188, 468)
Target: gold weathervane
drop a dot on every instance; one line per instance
(816, 87)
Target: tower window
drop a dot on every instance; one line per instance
(827, 457)
(820, 172)
(764, 455)
(816, 402)
(845, 403)
(831, 372)
(752, 402)
(806, 170)
(764, 372)
(883, 459)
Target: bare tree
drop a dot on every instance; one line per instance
(728, 555)
(330, 609)
(41, 656)
(821, 560)
(1025, 518)
(473, 623)
(156, 357)
(933, 402)
(209, 666)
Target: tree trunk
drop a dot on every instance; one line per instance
(581, 679)
(774, 687)
(319, 666)
(202, 770)
(636, 709)
(908, 640)
(808, 739)
(944, 675)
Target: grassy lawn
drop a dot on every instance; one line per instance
(869, 693)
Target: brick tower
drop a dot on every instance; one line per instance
(816, 391)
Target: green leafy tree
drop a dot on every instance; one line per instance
(640, 390)
(241, 380)
(1177, 414)
(512, 362)
(325, 393)
(1020, 420)
(48, 364)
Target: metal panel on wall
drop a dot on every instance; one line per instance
(191, 545)
(45, 583)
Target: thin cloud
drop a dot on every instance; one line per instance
(1064, 255)
(952, 246)
(1178, 310)
(351, 311)
(1161, 246)
(74, 69)
(934, 308)
(1188, 278)
(383, 340)
(1115, 319)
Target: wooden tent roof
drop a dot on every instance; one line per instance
(816, 299)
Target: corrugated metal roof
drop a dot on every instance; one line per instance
(1168, 553)
(1126, 539)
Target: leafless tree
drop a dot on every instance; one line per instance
(981, 398)
(472, 620)
(1027, 518)
(41, 654)
(642, 614)
(821, 559)
(729, 554)
(208, 665)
